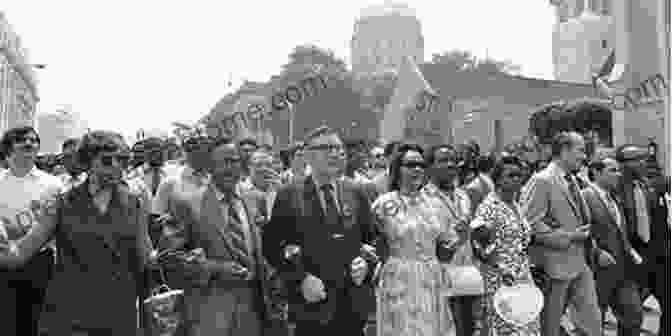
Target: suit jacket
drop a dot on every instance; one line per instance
(298, 219)
(477, 189)
(549, 207)
(200, 224)
(612, 239)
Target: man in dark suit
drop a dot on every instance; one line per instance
(616, 285)
(649, 229)
(314, 239)
(562, 246)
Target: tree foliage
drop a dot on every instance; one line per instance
(465, 61)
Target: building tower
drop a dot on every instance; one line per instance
(583, 37)
(383, 35)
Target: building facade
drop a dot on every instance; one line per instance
(638, 33)
(583, 37)
(18, 82)
(383, 35)
(54, 128)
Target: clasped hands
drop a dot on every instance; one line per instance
(313, 289)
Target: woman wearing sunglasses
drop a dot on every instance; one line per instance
(102, 243)
(500, 237)
(409, 300)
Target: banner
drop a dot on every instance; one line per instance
(412, 97)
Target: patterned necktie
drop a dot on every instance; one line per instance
(156, 180)
(331, 211)
(239, 237)
(574, 191)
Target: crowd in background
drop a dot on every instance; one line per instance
(321, 236)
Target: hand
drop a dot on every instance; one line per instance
(636, 257)
(312, 289)
(358, 269)
(581, 233)
(229, 268)
(604, 259)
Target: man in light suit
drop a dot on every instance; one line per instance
(616, 285)
(226, 287)
(562, 246)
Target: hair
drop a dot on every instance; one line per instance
(485, 163)
(501, 162)
(391, 148)
(562, 141)
(71, 142)
(318, 132)
(298, 146)
(12, 135)
(95, 142)
(594, 167)
(248, 141)
(153, 143)
(223, 141)
(259, 151)
(621, 150)
(395, 163)
(430, 155)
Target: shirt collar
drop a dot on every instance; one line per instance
(221, 196)
(32, 173)
(487, 181)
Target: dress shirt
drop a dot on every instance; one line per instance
(16, 216)
(334, 194)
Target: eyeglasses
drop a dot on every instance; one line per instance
(414, 164)
(518, 175)
(108, 160)
(229, 162)
(326, 148)
(27, 139)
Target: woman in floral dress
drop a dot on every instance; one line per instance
(500, 237)
(409, 300)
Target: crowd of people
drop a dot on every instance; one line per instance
(318, 238)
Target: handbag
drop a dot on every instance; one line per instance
(163, 310)
(461, 280)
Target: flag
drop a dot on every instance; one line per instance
(413, 95)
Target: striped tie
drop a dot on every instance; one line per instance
(239, 238)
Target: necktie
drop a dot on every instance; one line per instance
(613, 208)
(642, 211)
(239, 237)
(263, 208)
(156, 179)
(574, 191)
(331, 211)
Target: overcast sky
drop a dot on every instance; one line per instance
(125, 65)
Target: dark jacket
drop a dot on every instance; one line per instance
(327, 250)
(100, 262)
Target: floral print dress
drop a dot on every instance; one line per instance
(505, 254)
(409, 301)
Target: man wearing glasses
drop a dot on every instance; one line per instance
(315, 240)
(23, 185)
(74, 175)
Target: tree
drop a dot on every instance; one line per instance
(465, 61)
(306, 60)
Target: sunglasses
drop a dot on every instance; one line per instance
(414, 164)
(326, 148)
(27, 139)
(108, 160)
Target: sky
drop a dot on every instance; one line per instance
(128, 65)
